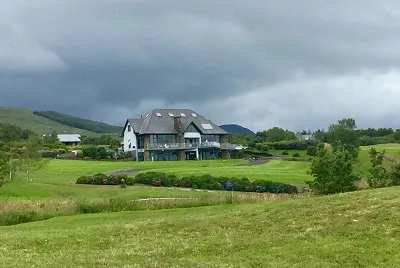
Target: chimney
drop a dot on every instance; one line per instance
(141, 116)
(179, 129)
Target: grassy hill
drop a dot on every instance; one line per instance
(72, 121)
(347, 230)
(26, 119)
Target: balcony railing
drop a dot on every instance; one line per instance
(188, 146)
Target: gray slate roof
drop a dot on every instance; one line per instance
(136, 124)
(164, 124)
(69, 137)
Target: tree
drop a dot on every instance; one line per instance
(115, 145)
(380, 177)
(52, 138)
(343, 135)
(320, 135)
(274, 134)
(332, 172)
(30, 159)
(4, 167)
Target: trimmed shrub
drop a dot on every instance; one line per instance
(89, 151)
(285, 153)
(206, 182)
(79, 154)
(311, 150)
(296, 154)
(102, 179)
(48, 154)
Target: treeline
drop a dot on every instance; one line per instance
(10, 132)
(277, 138)
(76, 122)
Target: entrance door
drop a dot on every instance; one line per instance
(190, 155)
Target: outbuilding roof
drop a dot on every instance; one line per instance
(69, 137)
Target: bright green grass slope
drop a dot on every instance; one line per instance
(348, 230)
(25, 119)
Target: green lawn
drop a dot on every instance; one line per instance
(56, 179)
(348, 230)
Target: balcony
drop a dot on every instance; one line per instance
(189, 146)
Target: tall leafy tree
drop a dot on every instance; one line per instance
(30, 158)
(332, 172)
(343, 135)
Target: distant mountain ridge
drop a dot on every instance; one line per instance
(236, 129)
(76, 122)
(27, 119)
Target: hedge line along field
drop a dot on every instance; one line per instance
(358, 229)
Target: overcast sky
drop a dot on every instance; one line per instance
(294, 64)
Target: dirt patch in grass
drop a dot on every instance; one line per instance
(128, 172)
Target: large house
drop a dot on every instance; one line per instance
(175, 134)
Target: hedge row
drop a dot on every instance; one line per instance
(207, 182)
(285, 145)
(102, 179)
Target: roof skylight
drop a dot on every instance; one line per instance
(171, 114)
(207, 126)
(194, 115)
(182, 114)
(158, 114)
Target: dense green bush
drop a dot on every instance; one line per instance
(101, 153)
(79, 154)
(89, 151)
(296, 154)
(207, 182)
(285, 145)
(48, 154)
(312, 150)
(285, 153)
(102, 179)
(213, 183)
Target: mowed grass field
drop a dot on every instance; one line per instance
(57, 178)
(357, 229)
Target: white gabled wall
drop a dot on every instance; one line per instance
(130, 138)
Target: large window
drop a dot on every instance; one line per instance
(163, 156)
(209, 154)
(140, 142)
(209, 138)
(129, 128)
(162, 139)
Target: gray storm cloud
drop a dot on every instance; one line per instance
(295, 64)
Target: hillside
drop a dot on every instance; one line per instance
(346, 230)
(236, 129)
(76, 122)
(25, 119)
